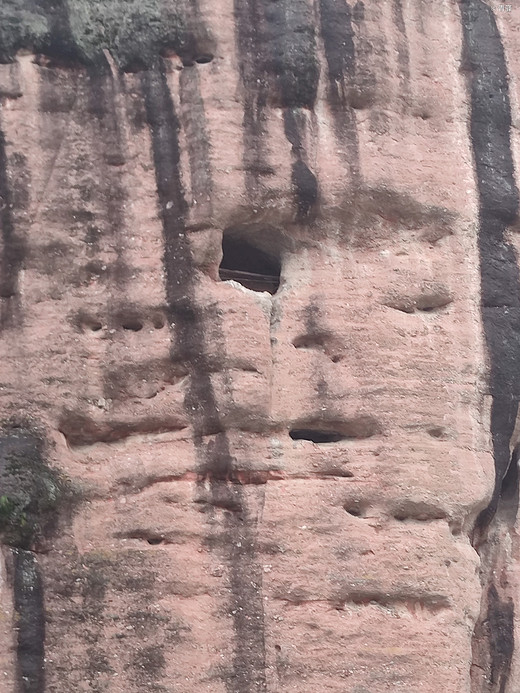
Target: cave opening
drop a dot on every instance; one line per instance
(253, 268)
(316, 436)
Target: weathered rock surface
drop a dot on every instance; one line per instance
(209, 486)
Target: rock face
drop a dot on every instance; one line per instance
(260, 346)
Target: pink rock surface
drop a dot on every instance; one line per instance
(208, 550)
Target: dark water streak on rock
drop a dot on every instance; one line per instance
(403, 51)
(235, 540)
(338, 39)
(484, 62)
(30, 615)
(12, 251)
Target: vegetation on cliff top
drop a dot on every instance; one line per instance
(134, 31)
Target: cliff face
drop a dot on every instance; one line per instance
(260, 346)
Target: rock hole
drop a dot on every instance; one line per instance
(143, 535)
(204, 58)
(310, 341)
(249, 266)
(316, 436)
(322, 431)
(154, 541)
(278, 648)
(455, 528)
(319, 341)
(132, 324)
(429, 302)
(432, 297)
(355, 509)
(158, 322)
(86, 322)
(437, 432)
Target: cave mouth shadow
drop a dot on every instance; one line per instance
(248, 265)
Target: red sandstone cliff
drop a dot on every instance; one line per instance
(295, 472)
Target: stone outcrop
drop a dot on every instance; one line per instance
(260, 353)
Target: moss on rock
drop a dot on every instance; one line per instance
(31, 492)
(134, 31)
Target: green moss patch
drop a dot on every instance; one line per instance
(134, 31)
(31, 492)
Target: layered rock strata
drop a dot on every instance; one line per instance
(259, 356)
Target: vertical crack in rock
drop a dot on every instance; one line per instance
(236, 538)
(483, 58)
(28, 603)
(340, 53)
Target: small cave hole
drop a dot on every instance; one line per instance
(316, 436)
(132, 324)
(355, 509)
(319, 431)
(249, 266)
(437, 432)
(310, 341)
(204, 58)
(278, 648)
(87, 323)
(431, 302)
(158, 322)
(455, 528)
(155, 540)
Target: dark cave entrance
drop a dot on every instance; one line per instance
(253, 268)
(316, 436)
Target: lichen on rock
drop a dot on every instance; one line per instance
(135, 32)
(31, 492)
